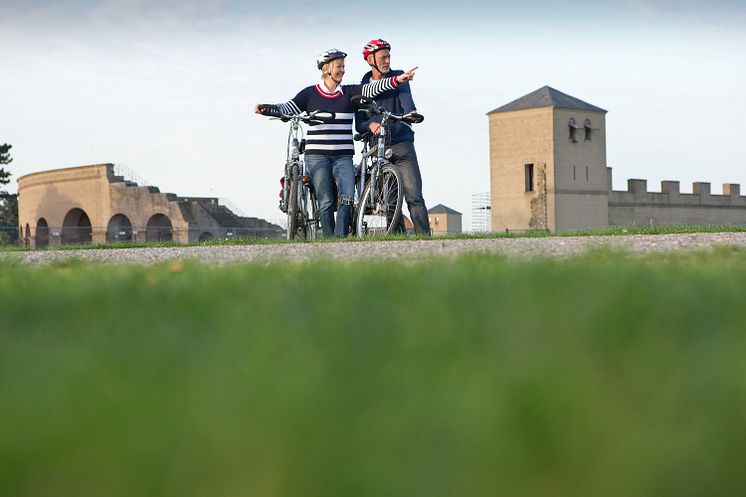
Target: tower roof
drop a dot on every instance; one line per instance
(442, 209)
(547, 97)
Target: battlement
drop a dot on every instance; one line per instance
(637, 193)
(638, 206)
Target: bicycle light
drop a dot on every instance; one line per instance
(388, 153)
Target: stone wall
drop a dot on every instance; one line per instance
(638, 207)
(517, 139)
(91, 204)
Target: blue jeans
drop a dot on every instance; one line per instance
(325, 172)
(404, 157)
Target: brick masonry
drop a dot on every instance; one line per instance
(566, 149)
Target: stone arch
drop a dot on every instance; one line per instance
(76, 228)
(206, 236)
(159, 229)
(119, 229)
(42, 233)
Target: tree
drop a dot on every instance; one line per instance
(5, 158)
(8, 201)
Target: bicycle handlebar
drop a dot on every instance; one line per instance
(370, 107)
(307, 118)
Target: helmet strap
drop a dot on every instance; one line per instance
(328, 74)
(375, 64)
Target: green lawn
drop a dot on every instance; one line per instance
(602, 375)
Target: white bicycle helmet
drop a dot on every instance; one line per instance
(328, 56)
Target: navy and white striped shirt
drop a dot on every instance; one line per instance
(334, 137)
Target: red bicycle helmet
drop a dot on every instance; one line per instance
(374, 46)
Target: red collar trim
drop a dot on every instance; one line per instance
(326, 94)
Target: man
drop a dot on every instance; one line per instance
(329, 146)
(398, 101)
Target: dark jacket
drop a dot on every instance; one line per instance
(396, 101)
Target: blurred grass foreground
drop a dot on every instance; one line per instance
(601, 375)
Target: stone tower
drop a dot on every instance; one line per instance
(548, 164)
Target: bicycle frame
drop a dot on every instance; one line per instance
(375, 202)
(297, 192)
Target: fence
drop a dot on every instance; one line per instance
(42, 236)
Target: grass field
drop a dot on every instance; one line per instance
(602, 375)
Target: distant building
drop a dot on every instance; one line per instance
(93, 204)
(444, 220)
(548, 172)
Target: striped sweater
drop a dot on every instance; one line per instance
(334, 137)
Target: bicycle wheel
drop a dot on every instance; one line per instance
(380, 216)
(313, 221)
(296, 225)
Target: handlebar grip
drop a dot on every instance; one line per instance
(269, 110)
(414, 118)
(361, 101)
(361, 136)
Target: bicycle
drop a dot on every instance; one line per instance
(380, 193)
(297, 197)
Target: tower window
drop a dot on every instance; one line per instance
(573, 129)
(586, 173)
(588, 129)
(529, 177)
(574, 177)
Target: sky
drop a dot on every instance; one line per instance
(166, 88)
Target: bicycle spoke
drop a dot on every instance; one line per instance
(378, 217)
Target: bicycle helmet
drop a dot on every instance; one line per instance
(328, 56)
(374, 46)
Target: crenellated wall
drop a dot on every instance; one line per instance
(638, 207)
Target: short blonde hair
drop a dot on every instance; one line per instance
(326, 68)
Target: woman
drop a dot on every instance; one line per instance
(329, 146)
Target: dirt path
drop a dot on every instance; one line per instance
(406, 249)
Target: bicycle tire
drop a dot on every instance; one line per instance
(381, 217)
(293, 205)
(313, 222)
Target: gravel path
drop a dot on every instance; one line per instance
(405, 249)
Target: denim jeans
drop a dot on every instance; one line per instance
(404, 157)
(325, 171)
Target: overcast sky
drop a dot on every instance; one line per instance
(166, 88)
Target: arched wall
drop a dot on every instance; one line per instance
(119, 229)
(97, 192)
(76, 227)
(159, 229)
(41, 236)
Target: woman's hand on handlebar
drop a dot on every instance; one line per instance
(375, 128)
(407, 76)
(267, 110)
